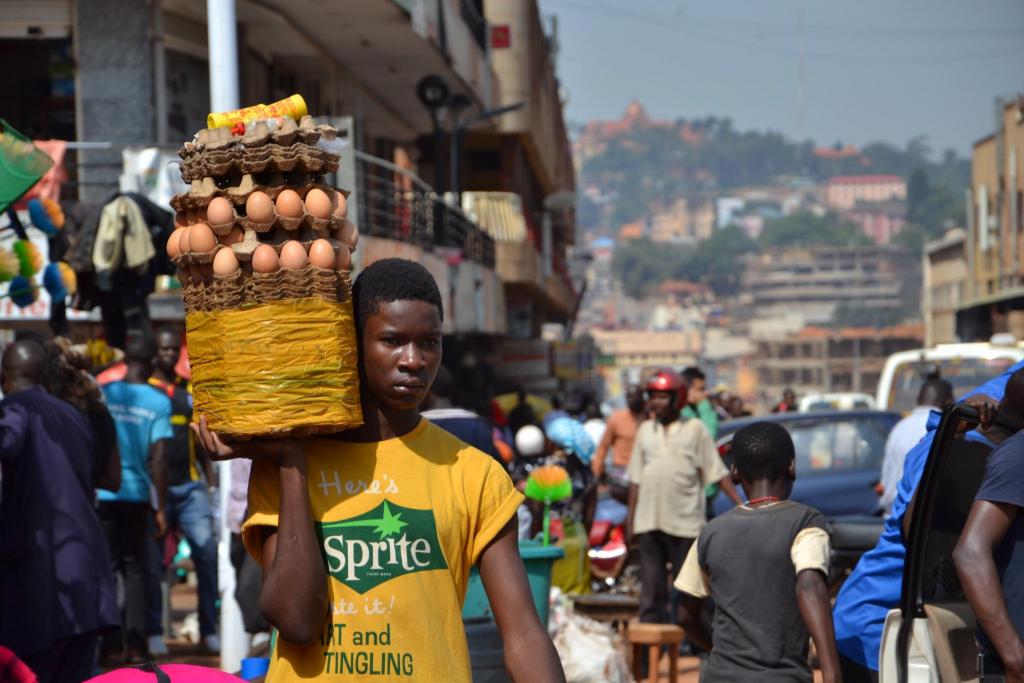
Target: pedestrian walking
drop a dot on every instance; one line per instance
(765, 565)
(191, 483)
(427, 505)
(935, 395)
(56, 588)
(671, 463)
(137, 512)
(456, 420)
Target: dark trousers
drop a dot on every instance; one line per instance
(70, 660)
(188, 509)
(129, 532)
(661, 558)
(854, 672)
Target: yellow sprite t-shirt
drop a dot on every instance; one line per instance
(400, 523)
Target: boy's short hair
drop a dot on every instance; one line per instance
(393, 279)
(763, 450)
(691, 373)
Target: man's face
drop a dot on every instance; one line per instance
(663, 404)
(789, 397)
(168, 351)
(401, 352)
(696, 391)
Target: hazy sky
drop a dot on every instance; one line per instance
(873, 69)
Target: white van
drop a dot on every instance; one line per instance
(965, 366)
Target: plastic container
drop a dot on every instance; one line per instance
(254, 667)
(486, 651)
(538, 560)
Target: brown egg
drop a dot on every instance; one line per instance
(174, 243)
(321, 254)
(264, 259)
(349, 234)
(289, 204)
(317, 203)
(201, 239)
(259, 208)
(234, 237)
(183, 241)
(341, 210)
(220, 211)
(293, 256)
(225, 262)
(344, 261)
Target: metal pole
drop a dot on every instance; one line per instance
(222, 40)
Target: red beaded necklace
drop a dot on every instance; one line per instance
(762, 499)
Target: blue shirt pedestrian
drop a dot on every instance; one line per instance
(143, 417)
(875, 585)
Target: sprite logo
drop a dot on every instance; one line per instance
(377, 546)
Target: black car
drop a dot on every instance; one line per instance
(838, 457)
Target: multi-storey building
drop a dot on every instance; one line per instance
(814, 281)
(994, 293)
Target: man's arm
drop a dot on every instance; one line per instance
(689, 618)
(601, 454)
(985, 529)
(730, 489)
(294, 594)
(816, 610)
(529, 653)
(158, 473)
(13, 429)
(634, 493)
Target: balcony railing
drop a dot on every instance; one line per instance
(395, 203)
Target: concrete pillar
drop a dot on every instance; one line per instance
(114, 86)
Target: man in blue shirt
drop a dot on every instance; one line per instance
(461, 423)
(876, 582)
(142, 415)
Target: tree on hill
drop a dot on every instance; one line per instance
(805, 229)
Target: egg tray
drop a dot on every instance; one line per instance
(258, 134)
(296, 158)
(204, 191)
(322, 227)
(243, 288)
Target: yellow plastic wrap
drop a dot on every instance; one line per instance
(275, 369)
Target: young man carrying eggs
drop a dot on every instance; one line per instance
(366, 538)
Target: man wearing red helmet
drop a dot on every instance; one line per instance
(672, 462)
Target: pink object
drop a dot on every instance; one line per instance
(49, 185)
(183, 673)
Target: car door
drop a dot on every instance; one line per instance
(930, 637)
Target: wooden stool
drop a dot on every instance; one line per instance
(654, 636)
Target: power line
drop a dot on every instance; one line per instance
(717, 38)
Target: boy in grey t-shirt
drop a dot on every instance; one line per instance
(765, 564)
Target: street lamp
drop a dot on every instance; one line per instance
(434, 94)
(459, 126)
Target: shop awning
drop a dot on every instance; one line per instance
(500, 214)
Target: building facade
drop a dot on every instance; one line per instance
(814, 281)
(843, 192)
(995, 231)
(945, 278)
(817, 359)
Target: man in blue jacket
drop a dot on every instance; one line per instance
(874, 586)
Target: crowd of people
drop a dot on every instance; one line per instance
(100, 476)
